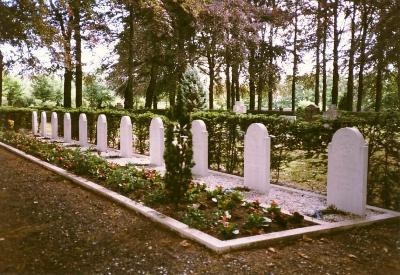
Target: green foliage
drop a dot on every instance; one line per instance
(45, 90)
(178, 161)
(97, 94)
(192, 91)
(14, 91)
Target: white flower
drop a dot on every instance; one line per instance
(228, 215)
(267, 219)
(214, 199)
(236, 231)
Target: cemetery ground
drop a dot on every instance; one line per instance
(49, 225)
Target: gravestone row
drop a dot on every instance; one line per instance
(347, 155)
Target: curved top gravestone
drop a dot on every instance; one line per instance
(257, 147)
(67, 128)
(34, 123)
(54, 125)
(347, 171)
(83, 139)
(126, 137)
(200, 148)
(102, 133)
(157, 142)
(43, 124)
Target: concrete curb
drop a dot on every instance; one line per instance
(202, 238)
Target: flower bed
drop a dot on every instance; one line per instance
(221, 213)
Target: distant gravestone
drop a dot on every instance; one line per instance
(347, 171)
(126, 137)
(35, 125)
(67, 128)
(54, 125)
(200, 148)
(332, 113)
(157, 142)
(310, 111)
(83, 139)
(43, 124)
(257, 150)
(239, 107)
(102, 133)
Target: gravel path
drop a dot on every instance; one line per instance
(50, 226)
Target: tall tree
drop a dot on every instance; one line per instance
(352, 51)
(365, 13)
(295, 53)
(335, 80)
(78, 52)
(317, 54)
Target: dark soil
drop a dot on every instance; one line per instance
(49, 225)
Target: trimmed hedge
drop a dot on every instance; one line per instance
(226, 134)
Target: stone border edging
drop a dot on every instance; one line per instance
(185, 231)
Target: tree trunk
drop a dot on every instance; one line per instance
(260, 88)
(294, 59)
(271, 80)
(1, 78)
(128, 93)
(324, 76)
(398, 79)
(360, 90)
(78, 54)
(237, 84)
(151, 89)
(67, 86)
(379, 76)
(211, 75)
(252, 86)
(228, 87)
(335, 80)
(350, 80)
(317, 62)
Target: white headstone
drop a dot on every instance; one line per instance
(347, 171)
(239, 107)
(35, 125)
(43, 124)
(157, 142)
(200, 148)
(101, 133)
(257, 150)
(126, 137)
(54, 125)
(67, 128)
(83, 139)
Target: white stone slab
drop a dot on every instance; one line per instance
(54, 126)
(200, 148)
(157, 142)
(126, 141)
(257, 150)
(35, 124)
(43, 124)
(83, 139)
(67, 128)
(102, 133)
(347, 171)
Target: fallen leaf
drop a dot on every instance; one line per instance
(386, 249)
(307, 239)
(184, 243)
(272, 249)
(2, 239)
(352, 256)
(304, 256)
